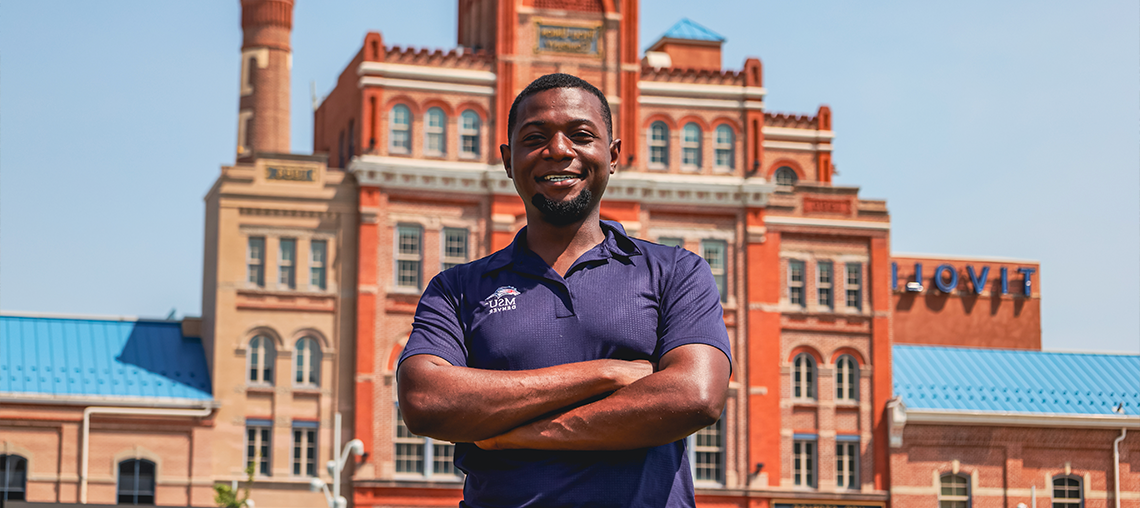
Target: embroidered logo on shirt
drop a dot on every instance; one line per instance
(502, 299)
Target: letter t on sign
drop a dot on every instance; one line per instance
(1028, 285)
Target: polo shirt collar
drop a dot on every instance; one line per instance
(616, 244)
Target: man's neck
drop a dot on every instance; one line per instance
(560, 246)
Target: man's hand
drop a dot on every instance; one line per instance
(462, 404)
(687, 394)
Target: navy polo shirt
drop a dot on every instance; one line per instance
(626, 299)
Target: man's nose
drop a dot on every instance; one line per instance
(560, 147)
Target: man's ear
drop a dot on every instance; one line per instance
(505, 153)
(615, 155)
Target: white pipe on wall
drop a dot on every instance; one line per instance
(87, 412)
(1116, 464)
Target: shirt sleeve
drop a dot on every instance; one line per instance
(691, 312)
(437, 328)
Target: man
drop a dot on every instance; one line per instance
(569, 366)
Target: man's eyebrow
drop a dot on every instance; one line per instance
(541, 123)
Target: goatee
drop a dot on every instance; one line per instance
(564, 213)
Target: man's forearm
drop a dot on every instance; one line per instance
(463, 404)
(658, 409)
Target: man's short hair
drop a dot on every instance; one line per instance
(559, 80)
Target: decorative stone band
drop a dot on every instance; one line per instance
(426, 73)
(477, 178)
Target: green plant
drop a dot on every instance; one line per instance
(227, 497)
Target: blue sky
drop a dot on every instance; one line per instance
(992, 129)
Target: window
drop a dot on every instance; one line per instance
(469, 125)
(413, 452)
(1067, 492)
(454, 247)
(13, 478)
(286, 263)
(400, 130)
(261, 357)
(304, 448)
(672, 242)
(803, 462)
(255, 260)
(823, 284)
(786, 176)
(706, 453)
(803, 377)
(136, 482)
(691, 146)
(308, 362)
(714, 253)
(954, 491)
(846, 463)
(658, 145)
(725, 148)
(435, 132)
(258, 443)
(796, 282)
(854, 286)
(846, 379)
(318, 253)
(409, 255)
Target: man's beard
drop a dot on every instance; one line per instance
(566, 212)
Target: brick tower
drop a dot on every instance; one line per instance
(266, 60)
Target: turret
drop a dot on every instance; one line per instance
(266, 60)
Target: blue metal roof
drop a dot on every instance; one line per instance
(101, 358)
(687, 29)
(1002, 380)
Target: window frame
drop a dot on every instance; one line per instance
(307, 348)
(137, 491)
(805, 449)
(785, 171)
(725, 147)
(825, 289)
(691, 148)
(417, 259)
(264, 354)
(318, 265)
(305, 448)
(1067, 501)
(435, 132)
(720, 274)
(430, 452)
(804, 377)
(255, 262)
(287, 268)
(851, 383)
(470, 133)
(446, 259)
(12, 462)
(849, 449)
(262, 433)
(950, 500)
(799, 285)
(694, 449)
(853, 290)
(660, 145)
(403, 129)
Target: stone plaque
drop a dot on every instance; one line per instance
(574, 40)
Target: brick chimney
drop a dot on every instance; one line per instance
(266, 60)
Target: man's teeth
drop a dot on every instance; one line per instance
(558, 178)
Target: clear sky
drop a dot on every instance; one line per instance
(991, 128)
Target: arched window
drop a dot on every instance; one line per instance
(260, 358)
(435, 132)
(786, 176)
(725, 147)
(308, 362)
(658, 145)
(847, 379)
(136, 482)
(803, 377)
(1067, 492)
(691, 146)
(400, 129)
(13, 477)
(954, 491)
(469, 125)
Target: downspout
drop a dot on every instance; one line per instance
(87, 412)
(1116, 464)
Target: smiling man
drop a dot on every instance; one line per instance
(570, 366)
